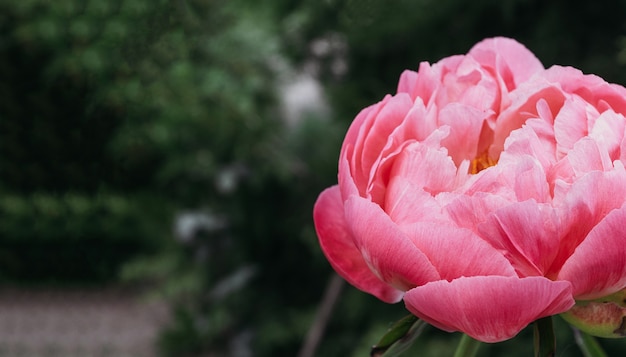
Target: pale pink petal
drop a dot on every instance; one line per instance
(511, 60)
(466, 124)
(431, 169)
(587, 156)
(598, 265)
(457, 252)
(524, 103)
(608, 132)
(340, 250)
(469, 211)
(571, 124)
(386, 249)
(525, 176)
(529, 234)
(536, 139)
(407, 202)
(488, 308)
(422, 84)
(591, 88)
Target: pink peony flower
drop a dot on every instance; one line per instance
(487, 193)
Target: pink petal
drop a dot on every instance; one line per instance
(571, 124)
(527, 232)
(338, 246)
(525, 101)
(536, 139)
(591, 88)
(469, 211)
(407, 202)
(488, 308)
(431, 169)
(511, 60)
(608, 131)
(457, 252)
(386, 249)
(422, 84)
(392, 113)
(587, 201)
(466, 124)
(598, 265)
(587, 156)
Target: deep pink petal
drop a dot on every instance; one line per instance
(457, 252)
(386, 249)
(488, 308)
(598, 266)
(338, 246)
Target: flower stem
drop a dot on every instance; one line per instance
(545, 341)
(588, 345)
(467, 347)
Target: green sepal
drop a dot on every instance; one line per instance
(398, 337)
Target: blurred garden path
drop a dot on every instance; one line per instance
(68, 323)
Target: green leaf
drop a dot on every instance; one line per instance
(545, 341)
(398, 337)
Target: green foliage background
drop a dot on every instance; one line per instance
(115, 116)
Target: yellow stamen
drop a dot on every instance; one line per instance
(481, 162)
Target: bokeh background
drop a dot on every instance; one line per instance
(159, 160)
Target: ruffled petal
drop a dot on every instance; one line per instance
(488, 308)
(338, 246)
(598, 265)
(386, 249)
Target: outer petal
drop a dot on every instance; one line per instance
(488, 308)
(598, 266)
(338, 246)
(528, 233)
(386, 249)
(584, 205)
(473, 256)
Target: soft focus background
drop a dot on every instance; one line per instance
(159, 160)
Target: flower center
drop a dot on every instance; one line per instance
(481, 162)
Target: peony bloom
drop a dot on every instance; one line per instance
(487, 193)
